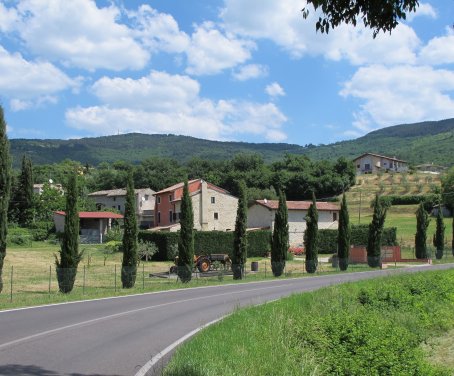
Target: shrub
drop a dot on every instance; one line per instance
(114, 234)
(296, 251)
(19, 239)
(40, 234)
(114, 246)
(146, 251)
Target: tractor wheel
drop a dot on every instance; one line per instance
(204, 265)
(173, 269)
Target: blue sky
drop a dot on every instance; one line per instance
(246, 70)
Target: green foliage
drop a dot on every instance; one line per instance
(69, 251)
(422, 222)
(439, 236)
(186, 239)
(114, 246)
(383, 17)
(21, 208)
(428, 200)
(311, 237)
(374, 240)
(114, 234)
(344, 235)
(240, 245)
(5, 190)
(48, 202)
(146, 251)
(280, 239)
(129, 245)
(447, 185)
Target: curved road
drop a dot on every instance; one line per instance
(118, 336)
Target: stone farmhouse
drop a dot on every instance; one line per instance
(369, 163)
(93, 225)
(261, 215)
(116, 198)
(214, 208)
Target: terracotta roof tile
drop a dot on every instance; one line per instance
(95, 215)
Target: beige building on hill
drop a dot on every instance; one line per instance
(370, 163)
(261, 215)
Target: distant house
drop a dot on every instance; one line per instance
(214, 208)
(93, 225)
(261, 215)
(38, 188)
(116, 198)
(369, 163)
(430, 168)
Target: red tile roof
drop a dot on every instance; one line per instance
(95, 215)
(190, 182)
(299, 205)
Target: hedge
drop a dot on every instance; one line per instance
(429, 200)
(328, 238)
(206, 242)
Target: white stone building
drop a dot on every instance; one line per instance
(261, 215)
(369, 163)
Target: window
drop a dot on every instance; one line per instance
(213, 200)
(146, 197)
(170, 198)
(358, 166)
(159, 217)
(216, 216)
(367, 166)
(334, 217)
(170, 216)
(119, 207)
(114, 198)
(158, 199)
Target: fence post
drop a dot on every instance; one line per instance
(83, 284)
(50, 277)
(143, 276)
(11, 296)
(115, 278)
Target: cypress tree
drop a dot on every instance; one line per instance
(452, 242)
(5, 190)
(69, 247)
(311, 237)
(24, 196)
(129, 245)
(280, 242)
(240, 240)
(343, 235)
(375, 232)
(422, 222)
(186, 239)
(439, 236)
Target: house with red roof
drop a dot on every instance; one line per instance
(93, 225)
(214, 208)
(261, 215)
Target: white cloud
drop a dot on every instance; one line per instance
(8, 17)
(30, 84)
(163, 103)
(159, 31)
(283, 23)
(439, 50)
(275, 90)
(211, 51)
(78, 33)
(250, 71)
(400, 94)
(423, 10)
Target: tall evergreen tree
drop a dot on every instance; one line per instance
(422, 222)
(5, 190)
(311, 237)
(129, 263)
(452, 242)
(186, 240)
(439, 236)
(24, 195)
(375, 232)
(343, 235)
(280, 240)
(240, 238)
(69, 248)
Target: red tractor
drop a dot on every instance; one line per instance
(206, 263)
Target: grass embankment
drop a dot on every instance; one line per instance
(374, 327)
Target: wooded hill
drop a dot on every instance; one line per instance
(426, 142)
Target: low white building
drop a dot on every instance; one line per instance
(116, 199)
(370, 163)
(261, 215)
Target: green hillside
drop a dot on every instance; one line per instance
(416, 143)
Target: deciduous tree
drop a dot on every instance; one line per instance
(422, 222)
(69, 248)
(5, 190)
(186, 239)
(240, 239)
(343, 235)
(311, 237)
(129, 245)
(280, 240)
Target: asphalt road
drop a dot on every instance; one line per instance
(117, 336)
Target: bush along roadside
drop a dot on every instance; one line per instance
(371, 327)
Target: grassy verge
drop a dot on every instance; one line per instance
(374, 327)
